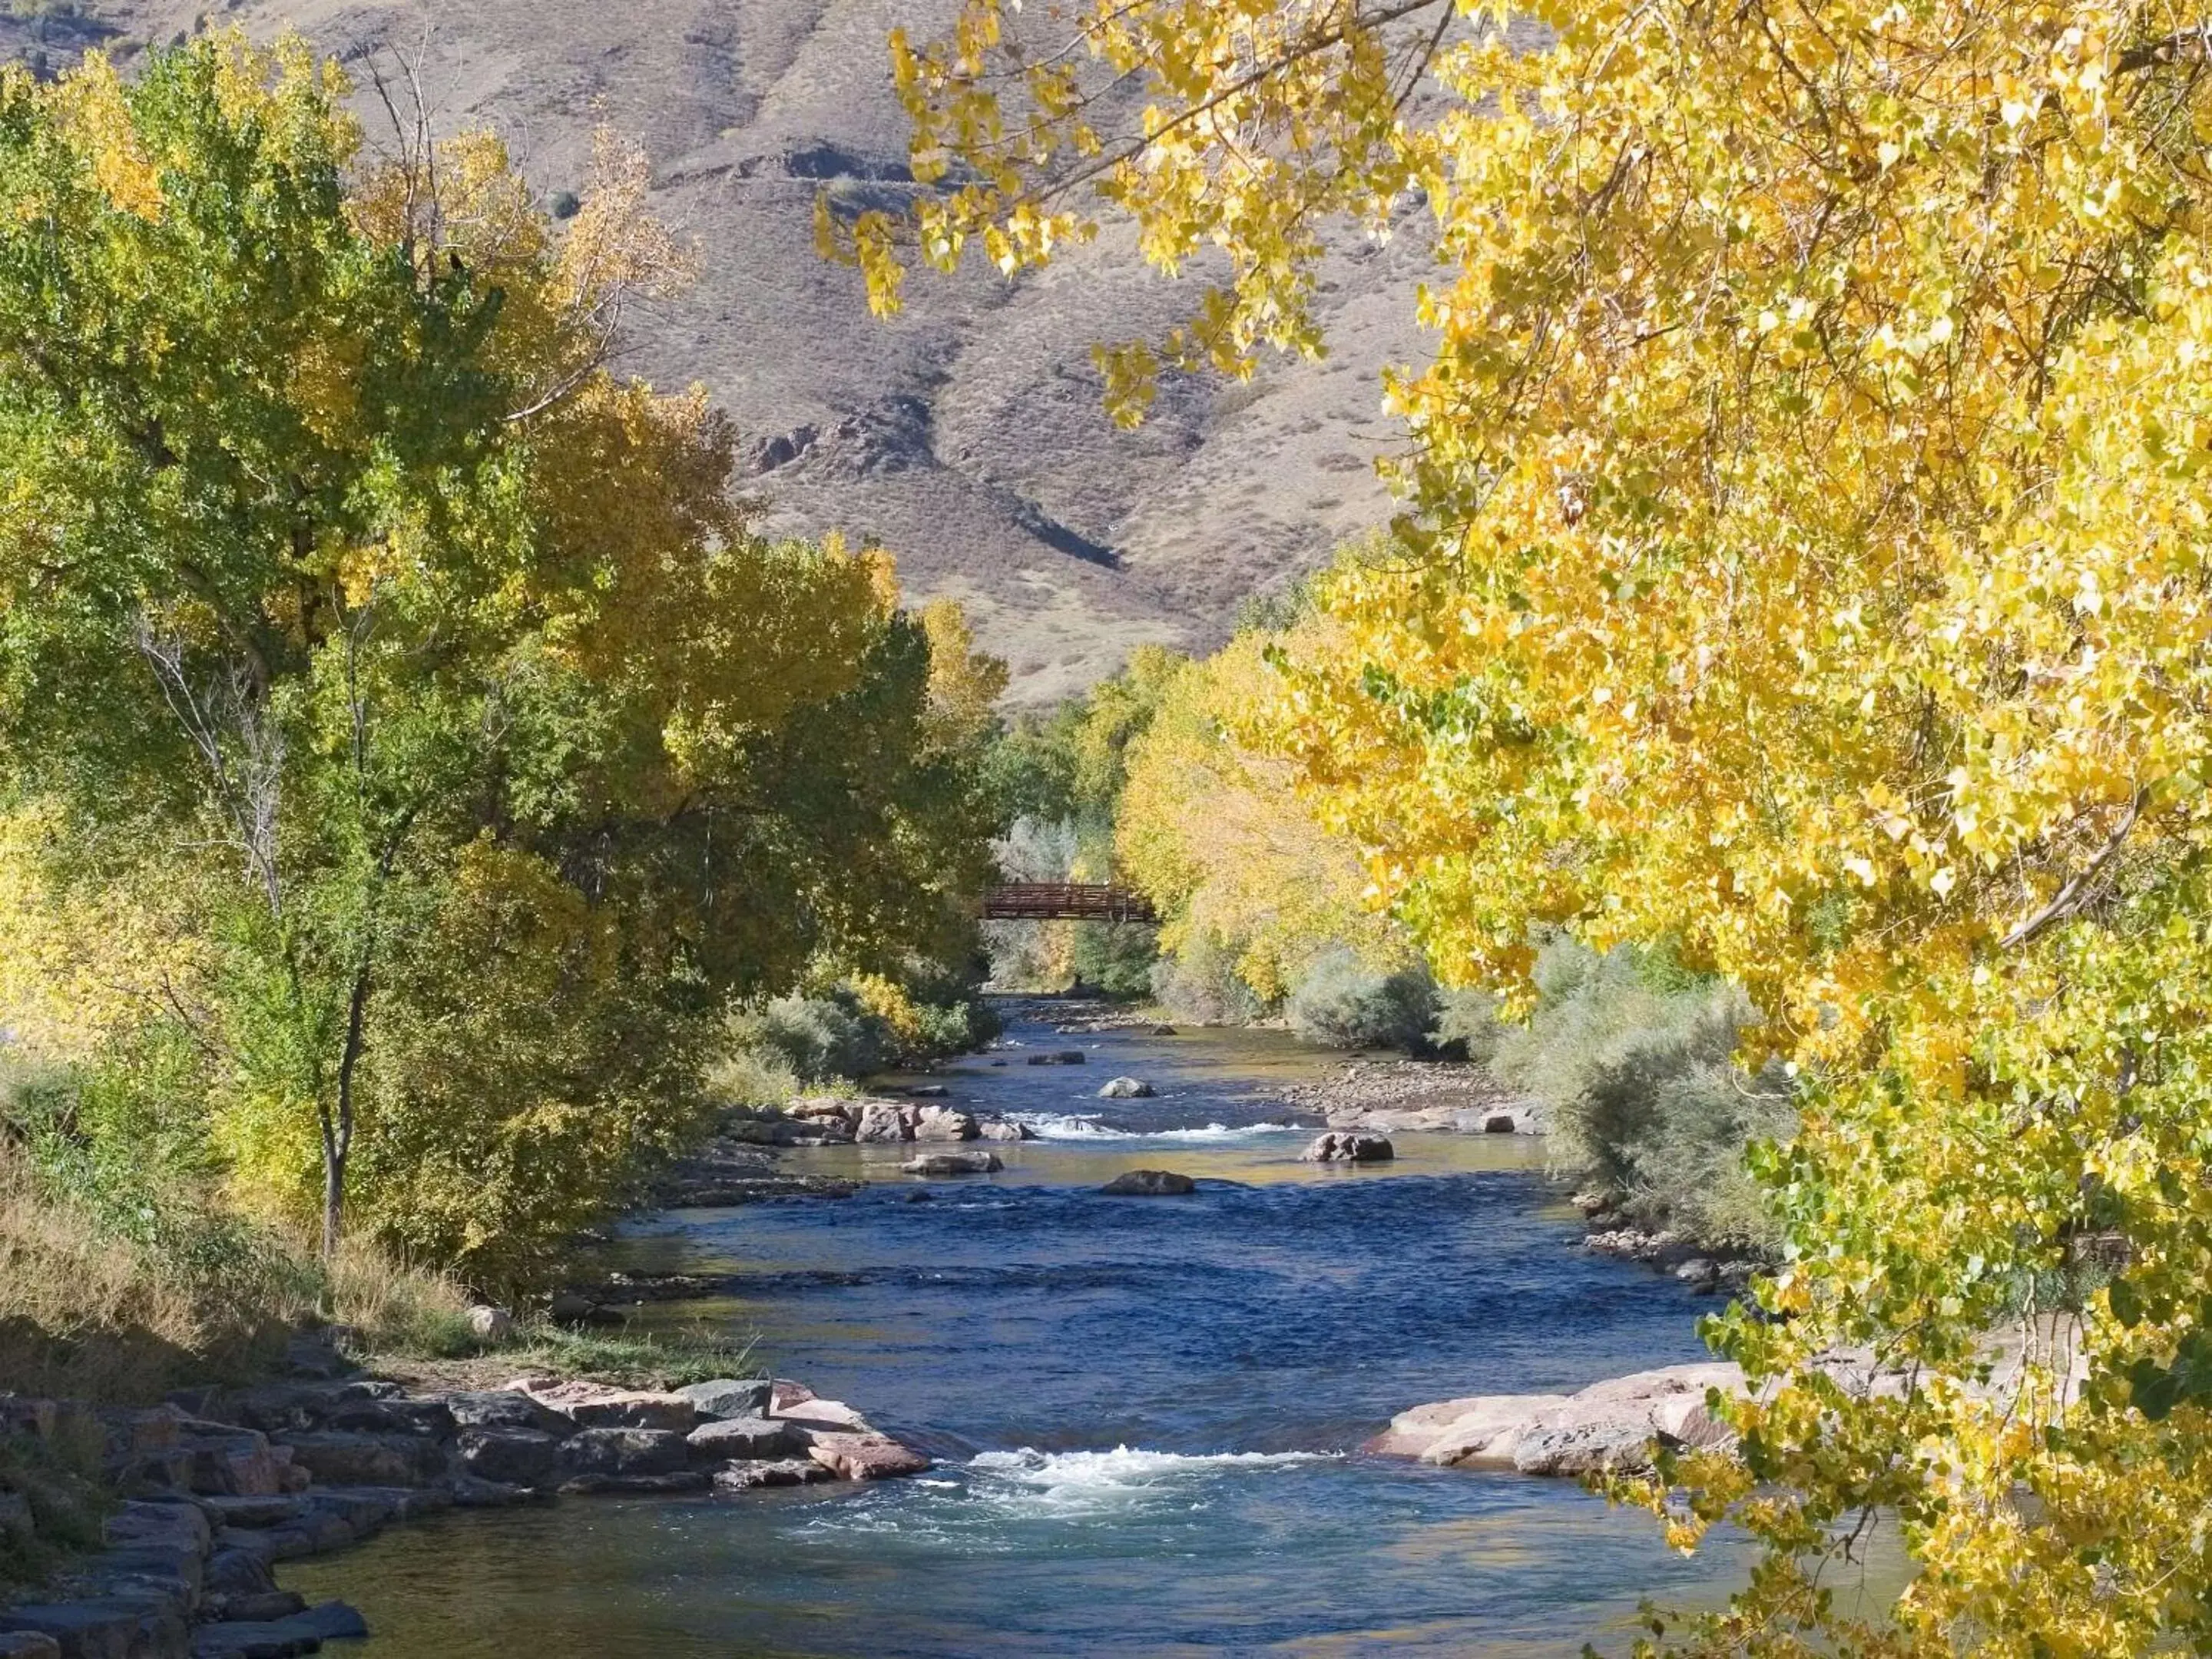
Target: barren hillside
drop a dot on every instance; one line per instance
(968, 436)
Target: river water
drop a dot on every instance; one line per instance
(1146, 1411)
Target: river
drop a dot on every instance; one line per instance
(1145, 1411)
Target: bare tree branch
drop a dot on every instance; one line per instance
(2081, 887)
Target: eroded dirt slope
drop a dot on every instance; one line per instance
(968, 434)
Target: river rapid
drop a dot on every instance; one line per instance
(1145, 1412)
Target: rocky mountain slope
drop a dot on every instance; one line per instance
(968, 436)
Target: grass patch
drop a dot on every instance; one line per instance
(645, 1359)
(655, 1359)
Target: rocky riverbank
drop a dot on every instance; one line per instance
(1392, 1095)
(218, 1487)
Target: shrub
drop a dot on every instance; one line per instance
(1467, 1026)
(821, 1038)
(1200, 985)
(753, 1077)
(1116, 958)
(1345, 1003)
(954, 1028)
(1635, 1060)
(123, 1274)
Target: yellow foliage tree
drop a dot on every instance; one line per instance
(1804, 564)
(1215, 832)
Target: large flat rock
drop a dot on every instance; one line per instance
(1609, 1426)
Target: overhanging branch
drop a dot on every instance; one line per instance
(2189, 46)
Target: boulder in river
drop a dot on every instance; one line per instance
(746, 1475)
(1340, 1146)
(1162, 1030)
(595, 1406)
(1003, 1129)
(865, 1456)
(1061, 1057)
(515, 1457)
(624, 1452)
(1128, 1088)
(882, 1121)
(1608, 1426)
(826, 1108)
(1149, 1184)
(953, 1164)
(505, 1408)
(943, 1123)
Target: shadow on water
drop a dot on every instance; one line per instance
(1147, 1411)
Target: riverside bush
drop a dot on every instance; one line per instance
(1346, 1003)
(1199, 984)
(820, 1038)
(1116, 958)
(120, 1292)
(1633, 1057)
(1468, 1026)
(866, 1023)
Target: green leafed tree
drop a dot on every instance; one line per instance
(395, 706)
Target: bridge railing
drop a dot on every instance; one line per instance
(1066, 901)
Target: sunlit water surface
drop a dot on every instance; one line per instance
(1145, 1412)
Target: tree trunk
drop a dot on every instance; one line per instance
(337, 1137)
(334, 1197)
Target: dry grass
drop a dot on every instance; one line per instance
(643, 1360)
(88, 1312)
(395, 1306)
(84, 1313)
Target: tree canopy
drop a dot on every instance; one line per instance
(1803, 566)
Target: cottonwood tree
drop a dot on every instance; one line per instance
(1803, 562)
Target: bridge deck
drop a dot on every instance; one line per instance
(1066, 901)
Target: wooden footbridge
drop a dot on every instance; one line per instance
(1065, 901)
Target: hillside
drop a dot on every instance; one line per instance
(968, 436)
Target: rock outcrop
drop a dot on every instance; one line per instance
(730, 1398)
(943, 1123)
(1128, 1088)
(865, 1456)
(1614, 1426)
